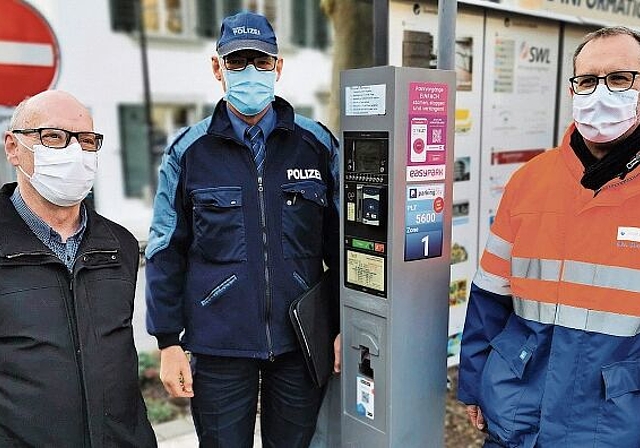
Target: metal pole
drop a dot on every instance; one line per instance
(147, 96)
(447, 10)
(380, 32)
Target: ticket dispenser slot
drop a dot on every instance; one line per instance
(370, 205)
(364, 368)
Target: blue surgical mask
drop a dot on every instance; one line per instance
(250, 91)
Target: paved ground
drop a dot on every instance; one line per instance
(180, 434)
(176, 434)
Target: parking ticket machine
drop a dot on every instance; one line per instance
(396, 172)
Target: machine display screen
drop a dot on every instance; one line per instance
(368, 155)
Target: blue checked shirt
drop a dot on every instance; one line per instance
(64, 250)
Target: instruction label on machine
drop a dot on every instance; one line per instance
(365, 397)
(365, 270)
(365, 100)
(424, 220)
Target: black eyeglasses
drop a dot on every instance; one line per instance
(239, 63)
(60, 138)
(615, 81)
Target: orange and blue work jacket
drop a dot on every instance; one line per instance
(551, 346)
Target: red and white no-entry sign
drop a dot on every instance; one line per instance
(29, 53)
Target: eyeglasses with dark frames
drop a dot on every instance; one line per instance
(239, 63)
(618, 81)
(59, 138)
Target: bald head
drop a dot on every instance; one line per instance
(49, 109)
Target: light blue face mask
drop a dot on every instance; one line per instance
(250, 91)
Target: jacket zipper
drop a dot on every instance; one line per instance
(75, 338)
(21, 254)
(71, 309)
(617, 184)
(265, 253)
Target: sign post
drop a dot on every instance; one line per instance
(29, 52)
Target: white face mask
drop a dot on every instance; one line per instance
(64, 176)
(604, 116)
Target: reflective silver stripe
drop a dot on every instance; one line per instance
(578, 318)
(613, 277)
(491, 282)
(498, 247)
(535, 268)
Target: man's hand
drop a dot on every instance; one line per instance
(175, 372)
(475, 416)
(337, 355)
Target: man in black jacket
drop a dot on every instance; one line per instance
(68, 365)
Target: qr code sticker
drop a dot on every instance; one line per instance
(436, 135)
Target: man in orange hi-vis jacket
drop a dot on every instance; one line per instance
(551, 348)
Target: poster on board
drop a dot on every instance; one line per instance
(412, 42)
(519, 101)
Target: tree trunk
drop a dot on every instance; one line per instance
(352, 46)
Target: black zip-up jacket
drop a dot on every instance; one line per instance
(68, 365)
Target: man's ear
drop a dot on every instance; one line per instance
(11, 148)
(279, 64)
(217, 69)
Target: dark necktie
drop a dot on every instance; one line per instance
(254, 135)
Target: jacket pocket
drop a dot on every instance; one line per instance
(219, 290)
(300, 281)
(218, 222)
(302, 213)
(509, 399)
(618, 415)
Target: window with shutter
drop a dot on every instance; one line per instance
(123, 15)
(165, 18)
(139, 159)
(222, 9)
(169, 18)
(135, 149)
(207, 25)
(310, 27)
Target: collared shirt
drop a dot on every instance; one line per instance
(64, 250)
(266, 124)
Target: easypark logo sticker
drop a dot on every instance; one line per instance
(425, 173)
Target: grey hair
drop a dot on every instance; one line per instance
(604, 32)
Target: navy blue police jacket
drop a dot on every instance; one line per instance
(229, 250)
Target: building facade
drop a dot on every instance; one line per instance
(143, 87)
